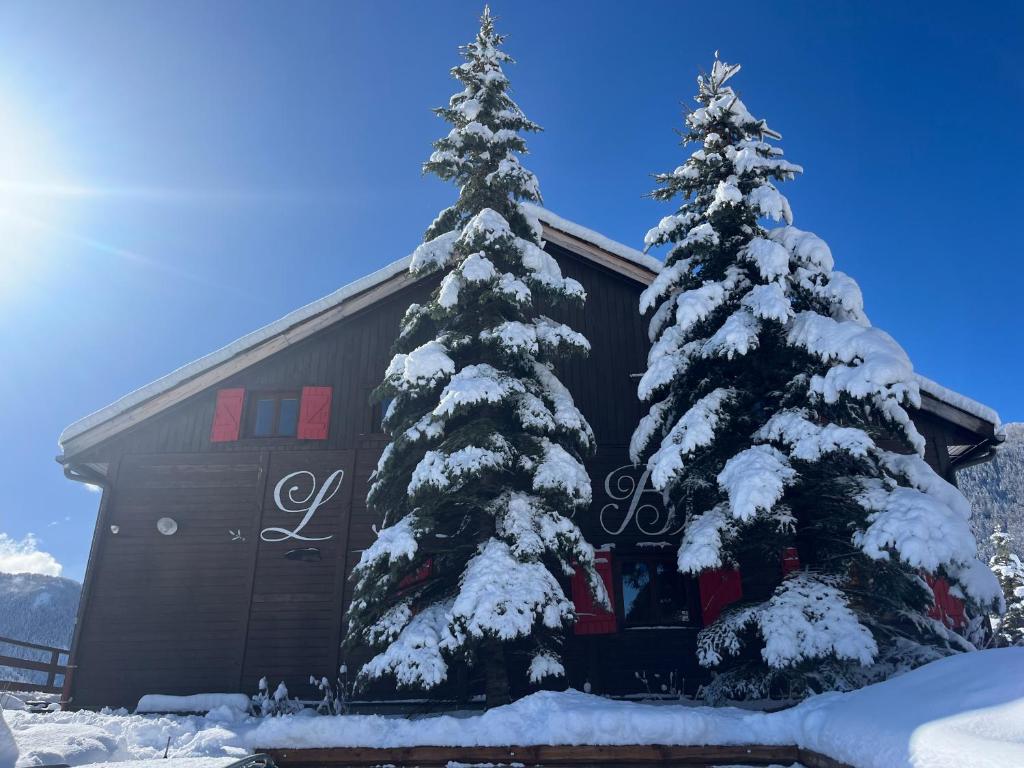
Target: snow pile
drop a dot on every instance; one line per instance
(958, 712)
(8, 749)
(200, 702)
(87, 738)
(180, 762)
(962, 711)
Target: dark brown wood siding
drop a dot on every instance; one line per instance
(215, 606)
(168, 614)
(297, 590)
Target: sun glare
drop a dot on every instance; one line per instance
(28, 208)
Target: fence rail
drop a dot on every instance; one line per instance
(52, 666)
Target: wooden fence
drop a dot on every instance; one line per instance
(52, 666)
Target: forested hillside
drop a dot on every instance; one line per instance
(37, 609)
(996, 491)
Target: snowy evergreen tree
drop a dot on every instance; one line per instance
(996, 489)
(1006, 565)
(483, 471)
(778, 418)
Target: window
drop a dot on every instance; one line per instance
(654, 593)
(380, 408)
(273, 414)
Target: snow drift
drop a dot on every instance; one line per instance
(965, 710)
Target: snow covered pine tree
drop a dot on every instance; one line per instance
(484, 466)
(778, 419)
(1006, 565)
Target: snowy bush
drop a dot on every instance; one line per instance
(335, 695)
(778, 418)
(267, 704)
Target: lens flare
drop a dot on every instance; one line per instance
(25, 157)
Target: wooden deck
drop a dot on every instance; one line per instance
(553, 756)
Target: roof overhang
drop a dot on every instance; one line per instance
(355, 297)
(217, 366)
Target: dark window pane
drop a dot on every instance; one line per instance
(380, 409)
(264, 424)
(636, 592)
(289, 418)
(673, 607)
(385, 405)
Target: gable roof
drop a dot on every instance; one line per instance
(303, 322)
(207, 371)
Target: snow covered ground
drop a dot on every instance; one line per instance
(966, 710)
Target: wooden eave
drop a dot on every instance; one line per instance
(303, 329)
(75, 444)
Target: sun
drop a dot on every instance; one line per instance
(31, 206)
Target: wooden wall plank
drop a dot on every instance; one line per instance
(249, 611)
(165, 613)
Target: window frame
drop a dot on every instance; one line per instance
(277, 395)
(652, 561)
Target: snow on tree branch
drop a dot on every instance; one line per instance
(778, 418)
(485, 464)
(807, 618)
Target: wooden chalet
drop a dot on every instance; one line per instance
(234, 500)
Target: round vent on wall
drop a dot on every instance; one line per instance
(167, 526)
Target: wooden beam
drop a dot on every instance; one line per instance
(31, 664)
(616, 264)
(811, 759)
(37, 646)
(960, 418)
(556, 755)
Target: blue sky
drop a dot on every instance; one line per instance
(174, 175)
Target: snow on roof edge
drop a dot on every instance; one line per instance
(933, 388)
(955, 399)
(595, 238)
(202, 364)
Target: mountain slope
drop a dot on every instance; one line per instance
(36, 609)
(996, 491)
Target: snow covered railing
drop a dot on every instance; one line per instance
(48, 660)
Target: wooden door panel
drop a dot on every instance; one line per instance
(295, 614)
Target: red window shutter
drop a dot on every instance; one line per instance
(315, 413)
(790, 560)
(718, 588)
(591, 618)
(421, 575)
(947, 608)
(227, 415)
